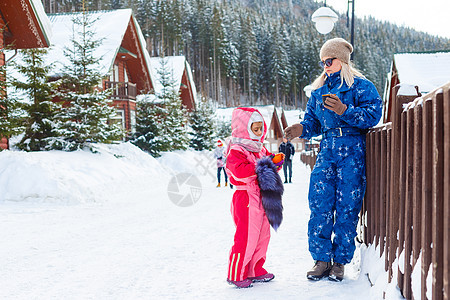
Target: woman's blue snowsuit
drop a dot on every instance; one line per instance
(338, 180)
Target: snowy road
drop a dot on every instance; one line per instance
(142, 246)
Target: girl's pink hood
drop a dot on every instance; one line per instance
(241, 120)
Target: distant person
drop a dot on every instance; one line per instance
(288, 150)
(221, 159)
(342, 106)
(256, 202)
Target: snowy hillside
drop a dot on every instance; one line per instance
(110, 225)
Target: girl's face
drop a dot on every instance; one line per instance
(335, 66)
(257, 128)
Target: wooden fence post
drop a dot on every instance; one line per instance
(417, 183)
(427, 208)
(438, 201)
(389, 219)
(408, 203)
(394, 179)
(382, 184)
(446, 232)
(376, 207)
(401, 226)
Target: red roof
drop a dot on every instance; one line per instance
(26, 24)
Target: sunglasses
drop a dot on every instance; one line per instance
(328, 62)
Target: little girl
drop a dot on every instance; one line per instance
(257, 199)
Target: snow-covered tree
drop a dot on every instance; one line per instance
(84, 118)
(161, 121)
(10, 110)
(148, 135)
(223, 128)
(202, 124)
(174, 117)
(40, 111)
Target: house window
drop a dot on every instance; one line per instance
(119, 118)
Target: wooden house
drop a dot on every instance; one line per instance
(179, 74)
(426, 71)
(124, 60)
(23, 25)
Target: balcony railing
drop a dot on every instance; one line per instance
(122, 90)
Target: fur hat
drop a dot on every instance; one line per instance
(337, 47)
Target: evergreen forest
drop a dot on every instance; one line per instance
(251, 52)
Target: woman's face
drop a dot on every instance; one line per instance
(335, 66)
(257, 128)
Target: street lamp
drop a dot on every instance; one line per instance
(324, 18)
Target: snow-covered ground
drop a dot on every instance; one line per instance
(119, 224)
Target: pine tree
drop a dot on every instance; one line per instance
(223, 128)
(40, 110)
(87, 110)
(174, 117)
(202, 125)
(10, 110)
(148, 135)
(161, 121)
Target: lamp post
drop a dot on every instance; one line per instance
(324, 18)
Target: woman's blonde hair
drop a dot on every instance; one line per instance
(348, 73)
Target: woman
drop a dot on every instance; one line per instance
(343, 105)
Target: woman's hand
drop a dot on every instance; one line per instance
(293, 131)
(334, 103)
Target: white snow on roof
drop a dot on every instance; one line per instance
(175, 66)
(42, 18)
(426, 70)
(109, 27)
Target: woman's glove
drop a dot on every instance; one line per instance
(293, 131)
(334, 103)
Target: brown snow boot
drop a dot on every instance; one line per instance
(337, 272)
(218, 185)
(320, 269)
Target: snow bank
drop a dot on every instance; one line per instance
(77, 177)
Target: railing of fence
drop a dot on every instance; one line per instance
(309, 157)
(406, 209)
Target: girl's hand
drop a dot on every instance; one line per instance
(278, 159)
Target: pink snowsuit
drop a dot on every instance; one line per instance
(252, 236)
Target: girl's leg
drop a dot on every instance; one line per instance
(259, 257)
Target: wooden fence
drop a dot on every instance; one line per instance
(309, 157)
(406, 209)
